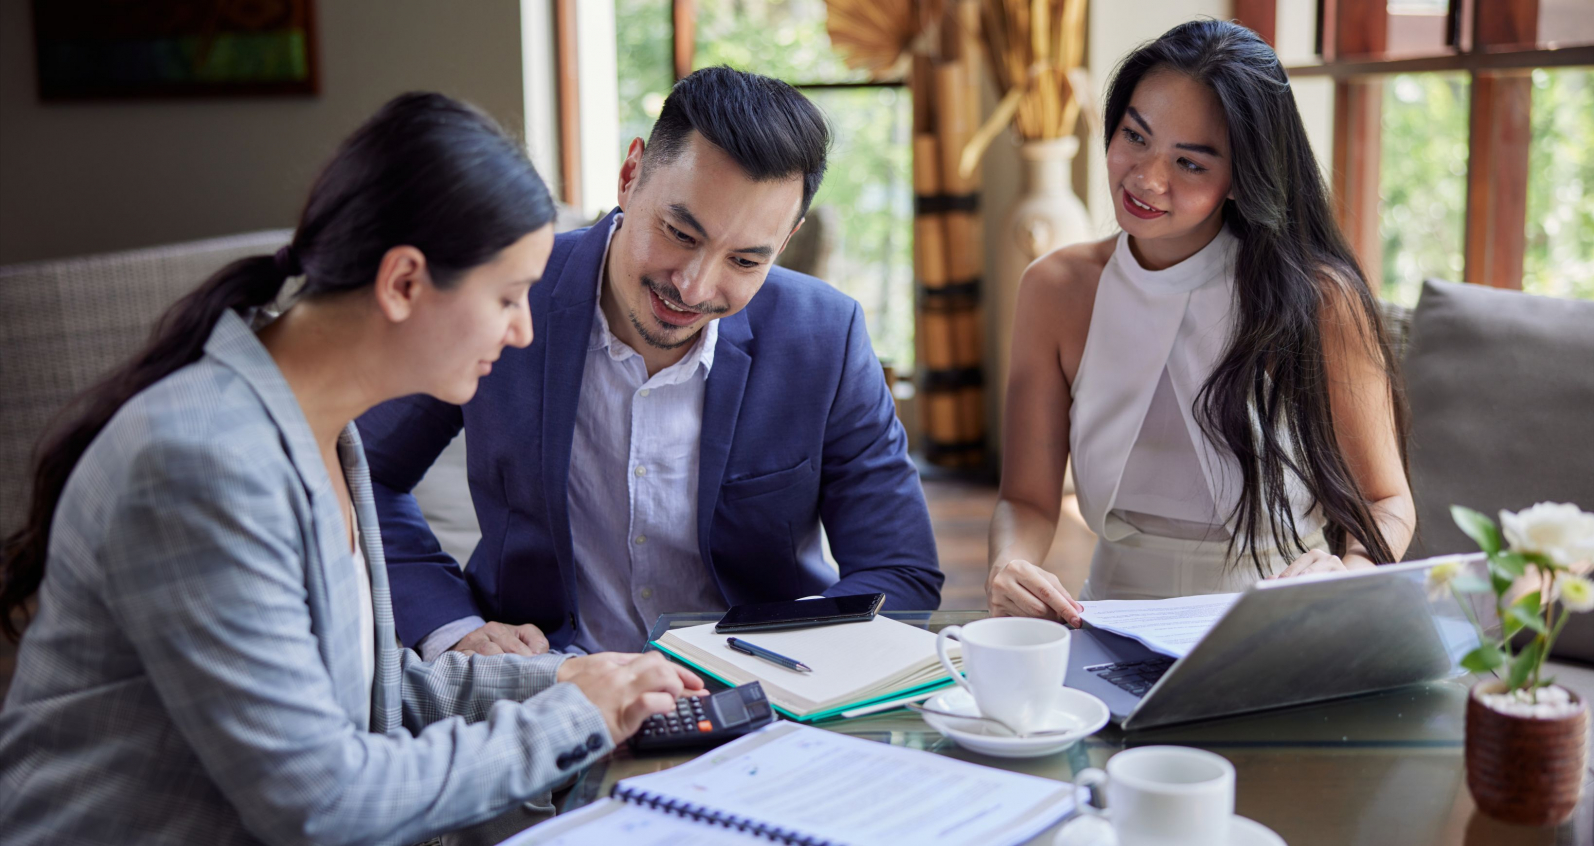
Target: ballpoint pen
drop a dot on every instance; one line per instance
(773, 657)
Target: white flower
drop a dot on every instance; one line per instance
(1440, 576)
(1577, 593)
(1557, 530)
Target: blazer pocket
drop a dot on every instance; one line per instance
(764, 483)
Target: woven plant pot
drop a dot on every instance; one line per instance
(1524, 770)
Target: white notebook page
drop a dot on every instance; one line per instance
(849, 790)
(1170, 626)
(846, 658)
(607, 822)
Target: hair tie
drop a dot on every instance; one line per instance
(288, 262)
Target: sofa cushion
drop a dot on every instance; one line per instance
(1501, 385)
(65, 323)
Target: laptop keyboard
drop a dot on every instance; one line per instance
(1137, 677)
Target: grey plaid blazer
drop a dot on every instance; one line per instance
(194, 672)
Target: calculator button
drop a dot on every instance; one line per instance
(705, 725)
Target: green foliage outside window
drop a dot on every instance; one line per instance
(1422, 186)
(867, 194)
(1423, 183)
(1560, 246)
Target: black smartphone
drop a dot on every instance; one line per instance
(801, 613)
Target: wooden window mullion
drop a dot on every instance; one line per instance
(1261, 16)
(564, 22)
(1358, 146)
(1499, 136)
(683, 36)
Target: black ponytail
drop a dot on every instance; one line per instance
(426, 171)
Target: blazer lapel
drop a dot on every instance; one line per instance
(384, 714)
(234, 344)
(568, 324)
(722, 403)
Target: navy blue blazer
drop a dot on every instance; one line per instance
(798, 427)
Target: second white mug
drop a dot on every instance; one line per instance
(1015, 666)
(1165, 796)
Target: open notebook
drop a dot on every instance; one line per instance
(790, 783)
(853, 664)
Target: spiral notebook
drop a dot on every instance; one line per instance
(796, 784)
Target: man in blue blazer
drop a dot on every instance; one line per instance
(669, 441)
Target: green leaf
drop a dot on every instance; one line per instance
(1525, 663)
(1468, 583)
(1478, 527)
(1524, 618)
(1484, 659)
(1513, 564)
(1537, 558)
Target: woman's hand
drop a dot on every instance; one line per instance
(1021, 589)
(628, 688)
(1318, 561)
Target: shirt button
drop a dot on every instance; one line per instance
(647, 593)
(641, 539)
(641, 471)
(643, 392)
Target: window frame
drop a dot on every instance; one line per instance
(1495, 43)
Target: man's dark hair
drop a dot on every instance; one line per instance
(765, 125)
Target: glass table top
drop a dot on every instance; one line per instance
(1384, 768)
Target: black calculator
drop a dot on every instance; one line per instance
(706, 720)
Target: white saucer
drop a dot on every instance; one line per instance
(1095, 831)
(1075, 710)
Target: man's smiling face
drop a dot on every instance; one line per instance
(696, 244)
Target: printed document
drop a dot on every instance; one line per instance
(1170, 626)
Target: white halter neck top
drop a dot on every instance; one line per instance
(1152, 331)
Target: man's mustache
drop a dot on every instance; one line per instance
(672, 295)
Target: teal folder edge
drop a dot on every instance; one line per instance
(818, 715)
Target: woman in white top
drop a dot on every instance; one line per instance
(1217, 371)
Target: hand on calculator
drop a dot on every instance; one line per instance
(706, 720)
(628, 688)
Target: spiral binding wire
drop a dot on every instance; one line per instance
(704, 814)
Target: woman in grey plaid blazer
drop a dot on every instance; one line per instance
(213, 658)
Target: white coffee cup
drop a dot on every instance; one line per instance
(1165, 795)
(1015, 666)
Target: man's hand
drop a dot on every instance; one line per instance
(1021, 589)
(500, 639)
(629, 688)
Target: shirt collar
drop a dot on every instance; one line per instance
(702, 352)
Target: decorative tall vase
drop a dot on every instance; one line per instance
(1047, 215)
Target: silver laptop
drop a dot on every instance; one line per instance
(1285, 643)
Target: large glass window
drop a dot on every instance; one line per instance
(785, 39)
(644, 45)
(1559, 254)
(1423, 181)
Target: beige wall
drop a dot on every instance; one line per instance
(81, 178)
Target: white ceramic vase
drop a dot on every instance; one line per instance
(1047, 215)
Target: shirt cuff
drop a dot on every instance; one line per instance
(447, 635)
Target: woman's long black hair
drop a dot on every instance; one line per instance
(1268, 401)
(426, 171)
